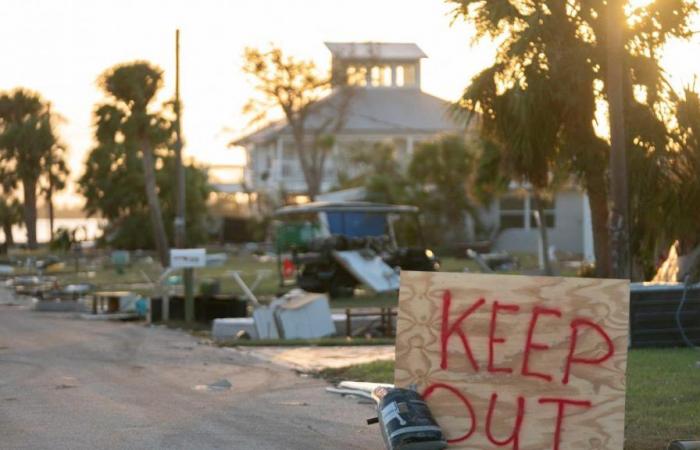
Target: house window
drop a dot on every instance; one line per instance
(357, 75)
(386, 76)
(408, 74)
(381, 76)
(399, 76)
(512, 212)
(375, 75)
(519, 212)
(548, 212)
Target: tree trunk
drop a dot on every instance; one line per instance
(157, 226)
(49, 201)
(544, 238)
(619, 197)
(312, 176)
(598, 202)
(9, 238)
(314, 185)
(29, 187)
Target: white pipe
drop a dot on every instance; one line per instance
(244, 287)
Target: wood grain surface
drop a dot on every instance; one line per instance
(547, 365)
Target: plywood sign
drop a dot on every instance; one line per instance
(515, 362)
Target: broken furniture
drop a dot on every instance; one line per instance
(295, 315)
(304, 316)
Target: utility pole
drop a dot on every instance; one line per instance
(619, 214)
(180, 211)
(180, 232)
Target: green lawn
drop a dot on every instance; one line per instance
(137, 277)
(663, 394)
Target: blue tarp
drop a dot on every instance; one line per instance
(356, 224)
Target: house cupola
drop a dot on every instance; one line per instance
(376, 64)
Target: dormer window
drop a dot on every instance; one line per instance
(408, 75)
(356, 75)
(381, 76)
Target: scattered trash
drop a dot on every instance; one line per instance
(122, 317)
(69, 383)
(216, 259)
(368, 268)
(405, 420)
(221, 385)
(294, 404)
(141, 306)
(305, 316)
(243, 334)
(491, 262)
(357, 388)
(59, 306)
(265, 326)
(229, 327)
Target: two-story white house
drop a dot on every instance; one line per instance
(388, 104)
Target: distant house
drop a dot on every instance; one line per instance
(567, 216)
(387, 104)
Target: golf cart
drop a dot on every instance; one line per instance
(321, 246)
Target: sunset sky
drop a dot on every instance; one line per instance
(60, 47)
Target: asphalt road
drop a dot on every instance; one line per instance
(67, 383)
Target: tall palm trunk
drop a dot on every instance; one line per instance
(29, 187)
(49, 201)
(544, 238)
(598, 201)
(149, 175)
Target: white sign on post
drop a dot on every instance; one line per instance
(187, 258)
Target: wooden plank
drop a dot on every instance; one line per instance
(544, 328)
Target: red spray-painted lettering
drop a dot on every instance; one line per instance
(577, 326)
(447, 329)
(493, 340)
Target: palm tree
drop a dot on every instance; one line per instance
(131, 88)
(26, 141)
(10, 215)
(517, 125)
(565, 41)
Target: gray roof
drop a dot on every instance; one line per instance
(345, 207)
(373, 111)
(376, 50)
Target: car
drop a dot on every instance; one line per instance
(308, 236)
